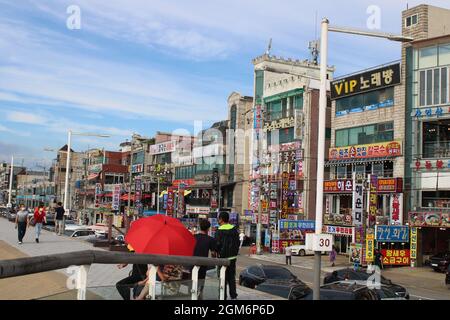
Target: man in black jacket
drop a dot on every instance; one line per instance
(227, 238)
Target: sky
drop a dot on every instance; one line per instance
(141, 66)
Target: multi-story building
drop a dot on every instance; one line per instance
(285, 155)
(35, 187)
(427, 113)
(367, 135)
(5, 173)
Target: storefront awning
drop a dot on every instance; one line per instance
(332, 163)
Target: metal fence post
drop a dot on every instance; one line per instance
(82, 281)
(152, 282)
(222, 287)
(194, 290)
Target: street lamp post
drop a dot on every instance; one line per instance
(321, 126)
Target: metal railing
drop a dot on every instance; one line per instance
(84, 259)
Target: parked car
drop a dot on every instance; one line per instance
(344, 290)
(254, 275)
(83, 234)
(383, 292)
(70, 225)
(288, 289)
(447, 277)
(440, 262)
(300, 250)
(350, 274)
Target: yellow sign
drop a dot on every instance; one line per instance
(413, 245)
(370, 243)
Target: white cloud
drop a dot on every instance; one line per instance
(24, 117)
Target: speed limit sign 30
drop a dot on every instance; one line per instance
(319, 242)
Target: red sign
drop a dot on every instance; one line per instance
(384, 185)
(186, 183)
(395, 209)
(396, 257)
(375, 150)
(338, 186)
(170, 201)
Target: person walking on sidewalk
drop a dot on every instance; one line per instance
(288, 253)
(59, 219)
(333, 254)
(39, 219)
(241, 239)
(227, 238)
(22, 223)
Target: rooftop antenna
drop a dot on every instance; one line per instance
(269, 47)
(314, 45)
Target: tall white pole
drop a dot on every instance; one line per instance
(321, 150)
(11, 182)
(66, 185)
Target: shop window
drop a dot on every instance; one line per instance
(298, 102)
(444, 55)
(388, 169)
(374, 133)
(259, 85)
(433, 87)
(436, 139)
(369, 100)
(341, 172)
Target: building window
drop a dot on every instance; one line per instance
(428, 57)
(411, 20)
(233, 117)
(436, 199)
(380, 132)
(366, 101)
(259, 85)
(433, 87)
(444, 54)
(436, 139)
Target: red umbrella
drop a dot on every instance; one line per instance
(160, 234)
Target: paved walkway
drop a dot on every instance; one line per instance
(51, 283)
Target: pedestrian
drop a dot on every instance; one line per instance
(241, 239)
(204, 246)
(288, 253)
(227, 238)
(22, 221)
(379, 259)
(333, 254)
(59, 218)
(138, 274)
(39, 219)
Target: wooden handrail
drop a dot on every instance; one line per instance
(30, 265)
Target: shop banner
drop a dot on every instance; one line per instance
(264, 218)
(180, 204)
(357, 206)
(275, 246)
(98, 191)
(385, 185)
(413, 244)
(137, 190)
(396, 257)
(116, 197)
(366, 151)
(338, 186)
(392, 233)
(284, 195)
(215, 188)
(355, 253)
(163, 147)
(295, 229)
(165, 201)
(395, 216)
(267, 239)
(338, 230)
(338, 219)
(370, 244)
(429, 219)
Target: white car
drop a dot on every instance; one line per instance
(300, 250)
(82, 234)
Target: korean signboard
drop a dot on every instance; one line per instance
(116, 197)
(180, 205)
(413, 244)
(163, 147)
(98, 191)
(215, 188)
(396, 214)
(338, 219)
(95, 168)
(370, 244)
(338, 230)
(432, 165)
(295, 229)
(296, 145)
(357, 206)
(170, 202)
(355, 253)
(396, 257)
(373, 200)
(392, 233)
(264, 218)
(429, 219)
(366, 151)
(137, 168)
(298, 120)
(368, 81)
(279, 124)
(430, 113)
(338, 186)
(138, 190)
(284, 195)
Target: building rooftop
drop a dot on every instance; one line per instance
(288, 61)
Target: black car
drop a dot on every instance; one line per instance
(447, 277)
(254, 275)
(350, 274)
(343, 290)
(440, 262)
(288, 289)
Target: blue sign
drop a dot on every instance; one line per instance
(392, 233)
(297, 224)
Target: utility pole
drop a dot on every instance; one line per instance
(130, 181)
(11, 182)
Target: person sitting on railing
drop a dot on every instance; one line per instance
(137, 274)
(169, 274)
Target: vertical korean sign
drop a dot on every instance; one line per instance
(215, 189)
(413, 251)
(138, 191)
(284, 196)
(170, 202)
(357, 207)
(180, 206)
(98, 190)
(370, 243)
(116, 197)
(373, 200)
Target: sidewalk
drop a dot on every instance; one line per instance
(54, 282)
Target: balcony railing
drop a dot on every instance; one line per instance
(84, 259)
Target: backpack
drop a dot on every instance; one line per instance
(230, 243)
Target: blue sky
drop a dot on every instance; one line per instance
(144, 66)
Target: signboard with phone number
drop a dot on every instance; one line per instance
(392, 233)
